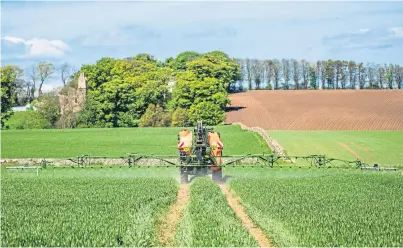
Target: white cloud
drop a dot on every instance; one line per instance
(14, 40)
(40, 47)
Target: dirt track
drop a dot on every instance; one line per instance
(319, 110)
(168, 226)
(237, 207)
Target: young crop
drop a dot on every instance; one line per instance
(67, 143)
(328, 210)
(78, 211)
(209, 221)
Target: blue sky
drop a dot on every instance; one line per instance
(83, 32)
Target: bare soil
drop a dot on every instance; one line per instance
(256, 232)
(167, 228)
(319, 109)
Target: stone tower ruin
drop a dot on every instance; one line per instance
(72, 101)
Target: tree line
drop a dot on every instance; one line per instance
(142, 91)
(330, 74)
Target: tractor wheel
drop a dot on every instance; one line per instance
(217, 175)
(184, 176)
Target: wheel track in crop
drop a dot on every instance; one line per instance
(349, 149)
(168, 226)
(234, 203)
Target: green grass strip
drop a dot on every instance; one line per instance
(68, 143)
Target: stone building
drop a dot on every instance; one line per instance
(72, 100)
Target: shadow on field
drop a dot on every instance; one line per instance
(234, 108)
(226, 178)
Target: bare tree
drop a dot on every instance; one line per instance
(44, 70)
(249, 73)
(305, 71)
(352, 72)
(268, 68)
(276, 73)
(33, 77)
(241, 63)
(381, 71)
(257, 72)
(371, 73)
(343, 76)
(28, 92)
(389, 75)
(398, 71)
(338, 69)
(329, 71)
(286, 72)
(361, 75)
(322, 72)
(66, 72)
(295, 72)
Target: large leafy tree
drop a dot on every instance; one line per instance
(189, 90)
(208, 112)
(49, 107)
(207, 80)
(155, 116)
(121, 90)
(10, 75)
(179, 63)
(216, 65)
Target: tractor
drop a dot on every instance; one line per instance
(200, 153)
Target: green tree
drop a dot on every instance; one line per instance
(189, 90)
(121, 90)
(180, 118)
(216, 65)
(208, 112)
(33, 120)
(155, 117)
(49, 107)
(179, 63)
(9, 77)
(89, 116)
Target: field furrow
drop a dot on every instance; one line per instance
(168, 226)
(255, 231)
(319, 110)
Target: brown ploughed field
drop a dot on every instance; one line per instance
(319, 109)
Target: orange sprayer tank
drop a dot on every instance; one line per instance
(216, 146)
(185, 141)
